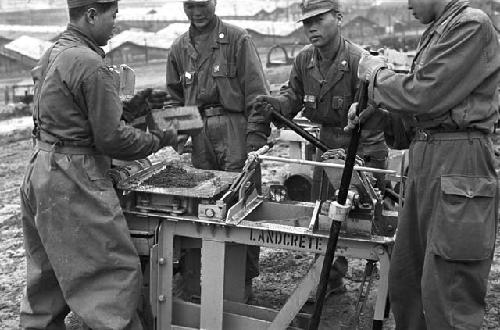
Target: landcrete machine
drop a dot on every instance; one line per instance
(172, 207)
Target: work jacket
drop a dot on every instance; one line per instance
(77, 101)
(230, 75)
(454, 79)
(326, 100)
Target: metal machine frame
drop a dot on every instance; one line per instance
(296, 226)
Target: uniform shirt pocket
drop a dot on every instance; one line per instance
(464, 225)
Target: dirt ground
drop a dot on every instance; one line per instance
(280, 269)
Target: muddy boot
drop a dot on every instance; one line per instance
(336, 279)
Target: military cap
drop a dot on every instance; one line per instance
(312, 8)
(80, 3)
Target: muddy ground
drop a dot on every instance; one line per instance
(280, 269)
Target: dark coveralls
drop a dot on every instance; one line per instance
(221, 75)
(79, 252)
(446, 232)
(326, 100)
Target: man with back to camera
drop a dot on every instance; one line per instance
(447, 106)
(216, 67)
(323, 82)
(78, 248)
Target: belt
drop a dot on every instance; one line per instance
(212, 110)
(334, 129)
(429, 135)
(69, 150)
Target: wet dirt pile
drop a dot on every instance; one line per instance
(172, 176)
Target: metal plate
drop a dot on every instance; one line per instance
(205, 189)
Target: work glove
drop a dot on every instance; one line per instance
(158, 99)
(169, 136)
(262, 103)
(341, 154)
(369, 65)
(255, 140)
(371, 118)
(137, 106)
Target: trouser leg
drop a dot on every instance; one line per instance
(406, 268)
(378, 159)
(453, 293)
(43, 305)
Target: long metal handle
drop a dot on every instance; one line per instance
(342, 197)
(299, 130)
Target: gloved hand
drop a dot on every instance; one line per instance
(370, 65)
(371, 118)
(158, 99)
(137, 106)
(262, 103)
(182, 144)
(255, 140)
(187, 147)
(168, 136)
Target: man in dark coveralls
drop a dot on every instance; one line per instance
(216, 67)
(447, 107)
(78, 248)
(323, 83)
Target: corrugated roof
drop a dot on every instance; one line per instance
(174, 30)
(28, 46)
(40, 32)
(277, 28)
(174, 10)
(139, 38)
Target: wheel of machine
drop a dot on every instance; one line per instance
(299, 187)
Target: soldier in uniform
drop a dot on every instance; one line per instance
(447, 107)
(323, 83)
(216, 67)
(78, 248)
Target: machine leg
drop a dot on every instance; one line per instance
(212, 284)
(164, 276)
(381, 309)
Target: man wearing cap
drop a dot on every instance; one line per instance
(216, 67)
(78, 249)
(323, 83)
(446, 232)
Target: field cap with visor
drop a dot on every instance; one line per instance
(81, 3)
(311, 8)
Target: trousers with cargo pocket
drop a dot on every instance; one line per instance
(446, 233)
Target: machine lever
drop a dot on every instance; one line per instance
(297, 129)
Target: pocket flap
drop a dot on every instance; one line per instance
(468, 186)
